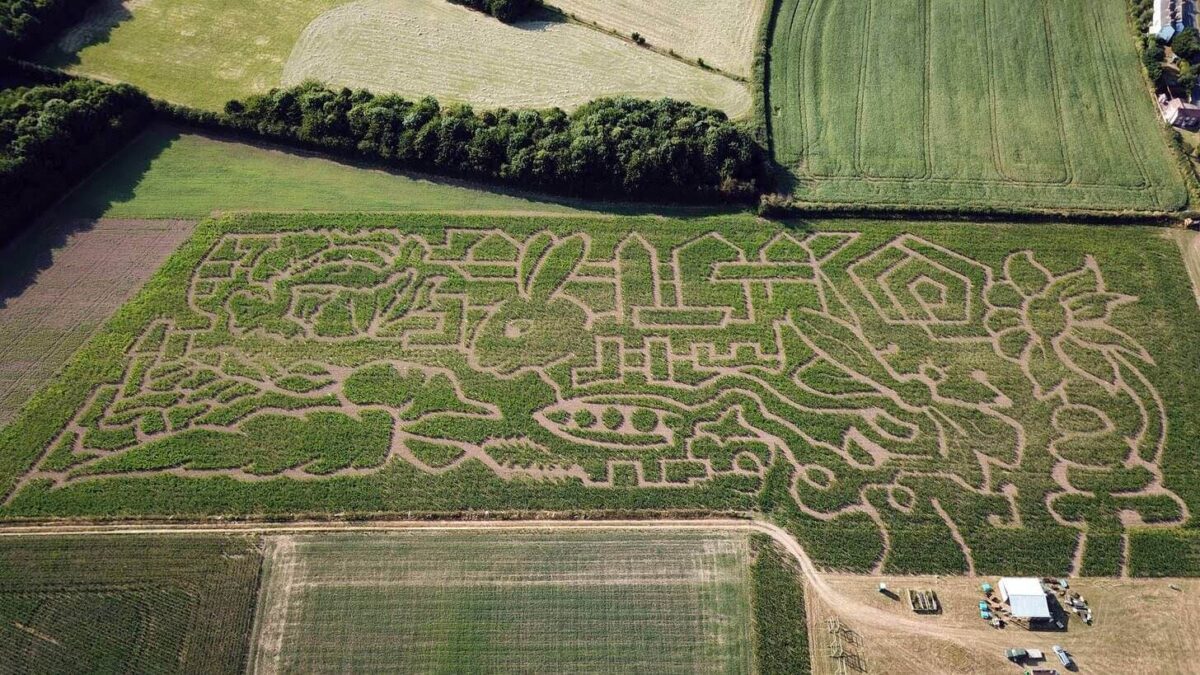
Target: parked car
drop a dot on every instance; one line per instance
(1016, 655)
(984, 612)
(1063, 656)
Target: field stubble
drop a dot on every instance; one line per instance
(551, 601)
(455, 54)
(722, 32)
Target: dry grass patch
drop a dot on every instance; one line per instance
(420, 47)
(722, 32)
(1142, 626)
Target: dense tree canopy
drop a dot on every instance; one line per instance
(27, 23)
(50, 136)
(505, 10)
(623, 148)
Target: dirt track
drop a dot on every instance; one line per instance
(1153, 613)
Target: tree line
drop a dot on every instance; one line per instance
(26, 24)
(622, 148)
(505, 10)
(53, 135)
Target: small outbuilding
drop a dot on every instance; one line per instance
(1025, 596)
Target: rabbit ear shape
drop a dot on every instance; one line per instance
(555, 266)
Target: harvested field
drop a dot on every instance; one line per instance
(1140, 626)
(541, 601)
(896, 402)
(455, 54)
(60, 285)
(1010, 103)
(241, 47)
(722, 32)
(117, 603)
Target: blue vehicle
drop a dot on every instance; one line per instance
(984, 612)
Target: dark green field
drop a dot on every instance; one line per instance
(126, 603)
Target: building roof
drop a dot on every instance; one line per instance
(1025, 596)
(1177, 110)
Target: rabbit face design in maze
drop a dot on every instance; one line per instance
(884, 379)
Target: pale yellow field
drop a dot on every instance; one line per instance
(722, 32)
(420, 47)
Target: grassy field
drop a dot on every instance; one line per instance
(205, 52)
(196, 52)
(455, 54)
(168, 173)
(897, 403)
(126, 603)
(1007, 103)
(722, 32)
(549, 601)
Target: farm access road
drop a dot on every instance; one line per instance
(853, 611)
(1154, 613)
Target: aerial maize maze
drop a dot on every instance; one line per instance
(897, 404)
(987, 103)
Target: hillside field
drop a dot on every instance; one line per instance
(455, 54)
(987, 103)
(722, 32)
(168, 172)
(126, 603)
(896, 403)
(240, 47)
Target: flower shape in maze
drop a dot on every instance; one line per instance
(683, 363)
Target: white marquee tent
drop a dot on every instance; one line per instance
(1026, 597)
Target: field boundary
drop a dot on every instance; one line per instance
(815, 582)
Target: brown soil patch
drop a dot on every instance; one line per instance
(91, 270)
(1142, 626)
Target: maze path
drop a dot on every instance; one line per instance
(865, 370)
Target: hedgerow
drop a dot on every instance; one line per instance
(505, 10)
(26, 24)
(661, 150)
(52, 135)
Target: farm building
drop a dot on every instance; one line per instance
(1172, 16)
(1025, 596)
(1178, 112)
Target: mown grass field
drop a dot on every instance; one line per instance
(970, 104)
(239, 47)
(126, 603)
(722, 32)
(904, 397)
(455, 54)
(546, 601)
(169, 173)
